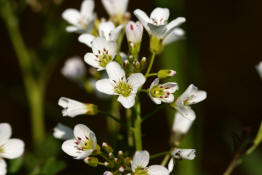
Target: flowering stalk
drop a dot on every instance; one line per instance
(137, 127)
(150, 64)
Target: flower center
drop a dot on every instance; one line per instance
(188, 100)
(103, 57)
(83, 144)
(159, 92)
(123, 88)
(159, 22)
(1, 150)
(141, 171)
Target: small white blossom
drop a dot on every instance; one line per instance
(81, 21)
(74, 68)
(140, 163)
(115, 7)
(181, 124)
(171, 164)
(108, 173)
(9, 148)
(157, 24)
(106, 30)
(188, 154)
(74, 108)
(63, 132)
(191, 96)
(259, 69)
(82, 145)
(176, 34)
(162, 92)
(117, 84)
(103, 53)
(134, 32)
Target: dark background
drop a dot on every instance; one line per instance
(226, 39)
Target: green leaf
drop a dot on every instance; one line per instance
(15, 165)
(52, 166)
(257, 140)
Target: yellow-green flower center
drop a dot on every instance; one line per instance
(188, 100)
(159, 92)
(123, 88)
(84, 144)
(140, 171)
(103, 58)
(1, 150)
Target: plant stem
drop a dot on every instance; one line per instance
(34, 89)
(166, 158)
(151, 75)
(150, 64)
(137, 128)
(130, 139)
(158, 155)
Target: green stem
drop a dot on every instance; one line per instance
(130, 139)
(151, 75)
(166, 158)
(158, 155)
(137, 128)
(150, 64)
(34, 89)
(116, 119)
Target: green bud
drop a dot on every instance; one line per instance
(134, 49)
(91, 161)
(91, 109)
(143, 63)
(156, 45)
(137, 65)
(166, 73)
(107, 148)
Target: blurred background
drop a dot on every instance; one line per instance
(219, 54)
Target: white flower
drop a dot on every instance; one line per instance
(117, 84)
(106, 30)
(191, 96)
(140, 162)
(74, 68)
(157, 25)
(175, 35)
(134, 32)
(162, 92)
(74, 108)
(181, 125)
(81, 21)
(82, 145)
(108, 173)
(259, 69)
(63, 132)
(115, 7)
(171, 164)
(103, 53)
(9, 148)
(189, 154)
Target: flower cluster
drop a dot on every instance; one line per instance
(127, 74)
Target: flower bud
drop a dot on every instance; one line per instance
(108, 173)
(134, 32)
(121, 169)
(91, 109)
(137, 65)
(166, 73)
(107, 148)
(143, 63)
(91, 161)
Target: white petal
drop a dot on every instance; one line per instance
(69, 148)
(143, 18)
(155, 100)
(172, 87)
(115, 7)
(13, 148)
(189, 154)
(72, 16)
(87, 8)
(136, 80)
(105, 86)
(72, 107)
(63, 132)
(160, 15)
(99, 44)
(74, 68)
(154, 83)
(92, 60)
(193, 95)
(181, 124)
(108, 173)
(157, 170)
(115, 71)
(174, 23)
(158, 30)
(72, 29)
(175, 35)
(86, 39)
(171, 165)
(105, 29)
(134, 32)
(259, 69)
(2, 167)
(127, 102)
(169, 99)
(116, 32)
(5, 132)
(81, 131)
(140, 159)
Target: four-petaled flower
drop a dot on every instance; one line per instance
(162, 92)
(82, 145)
(9, 148)
(115, 7)
(103, 53)
(117, 84)
(157, 24)
(191, 96)
(106, 30)
(81, 21)
(140, 162)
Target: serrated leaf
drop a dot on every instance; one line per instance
(257, 140)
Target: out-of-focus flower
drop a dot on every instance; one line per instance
(259, 69)
(189, 154)
(115, 7)
(63, 132)
(74, 108)
(162, 92)
(108, 173)
(9, 148)
(140, 162)
(81, 21)
(106, 30)
(117, 84)
(191, 96)
(181, 125)
(82, 145)
(134, 32)
(103, 53)
(74, 68)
